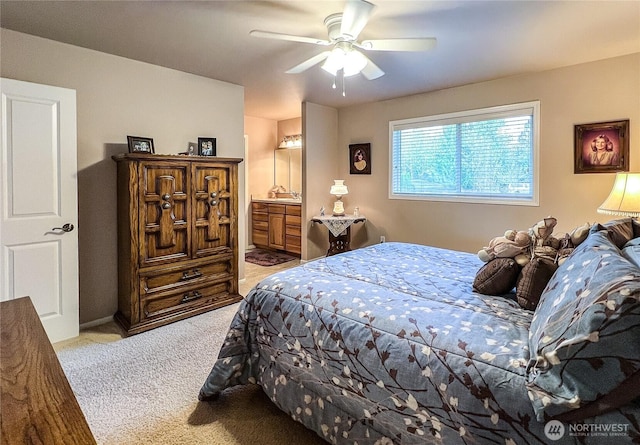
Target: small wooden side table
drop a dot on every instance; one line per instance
(339, 231)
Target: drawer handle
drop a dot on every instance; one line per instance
(187, 298)
(166, 205)
(187, 276)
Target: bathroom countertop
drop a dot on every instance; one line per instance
(278, 200)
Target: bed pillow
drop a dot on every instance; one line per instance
(532, 280)
(631, 251)
(497, 277)
(585, 332)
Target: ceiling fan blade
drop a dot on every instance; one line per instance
(288, 37)
(309, 63)
(371, 71)
(417, 44)
(355, 16)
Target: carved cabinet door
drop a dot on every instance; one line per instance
(164, 212)
(214, 209)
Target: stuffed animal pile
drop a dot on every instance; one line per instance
(525, 260)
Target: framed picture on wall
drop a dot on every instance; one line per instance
(207, 146)
(138, 144)
(360, 159)
(602, 147)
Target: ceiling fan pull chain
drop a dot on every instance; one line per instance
(343, 84)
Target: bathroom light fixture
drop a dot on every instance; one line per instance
(624, 199)
(338, 189)
(293, 141)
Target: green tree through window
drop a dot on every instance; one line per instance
(484, 155)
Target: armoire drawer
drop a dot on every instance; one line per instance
(165, 279)
(186, 300)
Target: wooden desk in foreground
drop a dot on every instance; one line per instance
(37, 405)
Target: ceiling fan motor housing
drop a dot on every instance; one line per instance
(333, 24)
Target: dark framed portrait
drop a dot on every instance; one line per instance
(207, 146)
(602, 147)
(360, 159)
(139, 144)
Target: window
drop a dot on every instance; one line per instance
(488, 155)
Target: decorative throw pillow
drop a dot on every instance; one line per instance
(635, 224)
(620, 230)
(532, 280)
(583, 332)
(497, 277)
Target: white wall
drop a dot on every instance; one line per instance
(319, 169)
(117, 97)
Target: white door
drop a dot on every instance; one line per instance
(39, 204)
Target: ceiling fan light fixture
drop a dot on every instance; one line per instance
(345, 59)
(335, 61)
(350, 61)
(354, 62)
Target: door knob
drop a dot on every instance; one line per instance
(66, 228)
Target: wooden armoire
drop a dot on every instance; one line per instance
(177, 237)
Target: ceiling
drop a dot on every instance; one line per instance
(477, 41)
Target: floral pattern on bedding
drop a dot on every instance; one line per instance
(387, 344)
(580, 336)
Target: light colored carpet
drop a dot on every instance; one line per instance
(144, 389)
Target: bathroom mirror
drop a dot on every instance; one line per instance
(288, 168)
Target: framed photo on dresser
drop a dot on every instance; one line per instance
(139, 144)
(207, 146)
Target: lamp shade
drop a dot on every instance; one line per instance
(624, 199)
(338, 188)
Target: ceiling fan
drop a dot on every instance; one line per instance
(345, 58)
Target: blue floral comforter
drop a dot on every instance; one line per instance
(389, 344)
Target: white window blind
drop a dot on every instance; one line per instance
(488, 155)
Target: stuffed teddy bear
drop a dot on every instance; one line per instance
(514, 244)
(570, 241)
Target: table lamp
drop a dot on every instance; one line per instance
(338, 189)
(624, 199)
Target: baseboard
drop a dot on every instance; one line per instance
(98, 322)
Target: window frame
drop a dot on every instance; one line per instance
(485, 113)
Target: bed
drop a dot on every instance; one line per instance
(389, 344)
